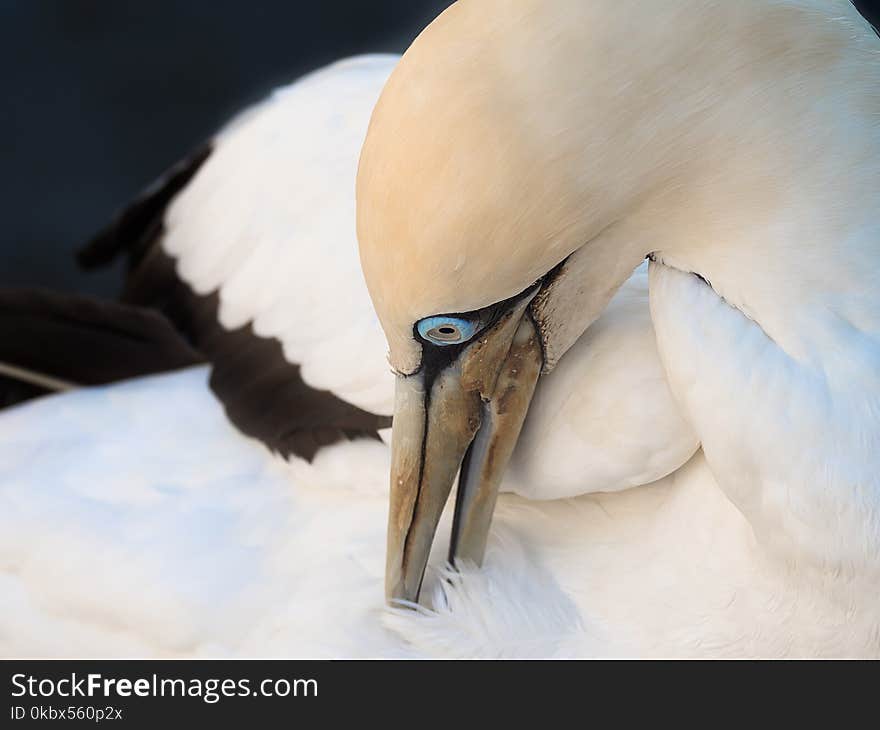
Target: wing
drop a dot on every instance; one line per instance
(51, 341)
(796, 447)
(249, 247)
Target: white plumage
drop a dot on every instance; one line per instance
(138, 521)
(135, 520)
(268, 222)
(605, 420)
(170, 534)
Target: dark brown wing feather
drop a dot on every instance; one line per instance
(263, 393)
(13, 391)
(83, 340)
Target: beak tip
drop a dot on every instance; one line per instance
(399, 595)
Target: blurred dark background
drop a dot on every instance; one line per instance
(100, 96)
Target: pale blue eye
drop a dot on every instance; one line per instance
(447, 330)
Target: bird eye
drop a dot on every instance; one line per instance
(446, 330)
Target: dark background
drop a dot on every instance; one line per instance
(100, 96)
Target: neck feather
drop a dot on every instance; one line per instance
(753, 160)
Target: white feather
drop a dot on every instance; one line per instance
(604, 419)
(269, 221)
(135, 521)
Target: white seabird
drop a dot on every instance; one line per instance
(737, 552)
(138, 522)
(523, 160)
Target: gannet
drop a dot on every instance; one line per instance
(239, 246)
(115, 499)
(136, 521)
(525, 157)
(713, 559)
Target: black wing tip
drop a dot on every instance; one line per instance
(14, 391)
(135, 226)
(82, 340)
(101, 249)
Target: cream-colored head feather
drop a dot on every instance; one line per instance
(512, 133)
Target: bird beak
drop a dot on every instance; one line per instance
(465, 412)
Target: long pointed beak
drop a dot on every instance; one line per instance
(471, 410)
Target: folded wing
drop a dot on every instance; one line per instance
(248, 246)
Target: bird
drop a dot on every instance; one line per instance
(521, 163)
(138, 521)
(155, 455)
